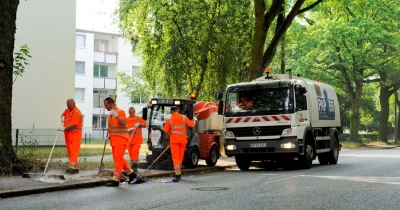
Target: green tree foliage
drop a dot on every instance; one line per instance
(189, 45)
(134, 88)
(348, 43)
(366, 119)
(278, 13)
(21, 60)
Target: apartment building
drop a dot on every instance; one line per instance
(67, 63)
(99, 56)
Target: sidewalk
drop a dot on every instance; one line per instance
(19, 186)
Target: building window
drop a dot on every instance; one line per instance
(80, 41)
(80, 94)
(100, 71)
(79, 67)
(98, 98)
(100, 45)
(96, 123)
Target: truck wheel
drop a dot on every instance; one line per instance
(243, 163)
(333, 155)
(214, 155)
(307, 158)
(192, 157)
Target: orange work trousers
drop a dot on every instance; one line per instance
(177, 152)
(73, 141)
(120, 163)
(133, 150)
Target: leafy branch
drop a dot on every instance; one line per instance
(20, 61)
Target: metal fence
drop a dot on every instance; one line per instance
(46, 137)
(37, 143)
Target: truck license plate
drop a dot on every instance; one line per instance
(256, 145)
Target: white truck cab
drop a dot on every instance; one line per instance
(281, 118)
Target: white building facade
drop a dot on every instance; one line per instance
(99, 56)
(40, 94)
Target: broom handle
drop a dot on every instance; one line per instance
(132, 135)
(54, 144)
(157, 158)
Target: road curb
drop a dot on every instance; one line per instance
(96, 183)
(30, 191)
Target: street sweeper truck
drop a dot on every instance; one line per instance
(204, 140)
(280, 118)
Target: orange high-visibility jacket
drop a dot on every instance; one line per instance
(74, 117)
(117, 132)
(176, 127)
(137, 136)
(245, 104)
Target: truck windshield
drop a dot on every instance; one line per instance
(158, 116)
(259, 101)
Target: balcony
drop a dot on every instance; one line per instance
(106, 57)
(105, 83)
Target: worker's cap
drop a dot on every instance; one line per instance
(174, 108)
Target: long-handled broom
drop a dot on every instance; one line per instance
(32, 175)
(102, 157)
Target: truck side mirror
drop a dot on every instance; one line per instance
(190, 114)
(220, 107)
(218, 95)
(144, 113)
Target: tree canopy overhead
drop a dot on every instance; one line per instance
(189, 46)
(350, 43)
(201, 46)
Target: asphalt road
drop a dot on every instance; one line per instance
(362, 179)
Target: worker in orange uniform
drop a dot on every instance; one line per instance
(72, 127)
(118, 135)
(135, 125)
(245, 103)
(175, 128)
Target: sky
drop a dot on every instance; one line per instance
(96, 15)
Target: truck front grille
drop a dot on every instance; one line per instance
(264, 131)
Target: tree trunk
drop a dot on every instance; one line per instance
(8, 16)
(355, 107)
(259, 59)
(259, 36)
(384, 101)
(355, 110)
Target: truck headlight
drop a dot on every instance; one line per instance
(288, 145)
(287, 131)
(229, 134)
(230, 147)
